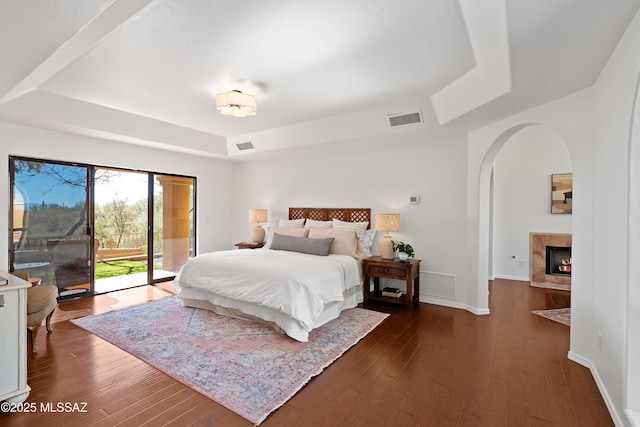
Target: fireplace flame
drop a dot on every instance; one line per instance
(565, 265)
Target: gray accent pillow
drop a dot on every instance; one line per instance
(301, 244)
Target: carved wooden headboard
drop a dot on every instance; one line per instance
(328, 214)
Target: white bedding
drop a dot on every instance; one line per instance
(296, 291)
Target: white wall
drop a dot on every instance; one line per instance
(615, 94)
(214, 176)
(522, 197)
(380, 173)
(632, 376)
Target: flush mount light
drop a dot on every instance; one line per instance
(235, 103)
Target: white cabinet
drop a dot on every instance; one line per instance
(13, 339)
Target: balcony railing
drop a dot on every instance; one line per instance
(106, 241)
(39, 249)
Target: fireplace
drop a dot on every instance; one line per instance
(550, 260)
(558, 260)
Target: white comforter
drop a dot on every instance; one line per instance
(295, 284)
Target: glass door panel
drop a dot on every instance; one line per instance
(121, 228)
(173, 224)
(50, 213)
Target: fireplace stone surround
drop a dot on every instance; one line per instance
(538, 277)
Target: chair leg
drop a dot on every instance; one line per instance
(48, 321)
(33, 333)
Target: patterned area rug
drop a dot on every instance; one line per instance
(245, 366)
(560, 315)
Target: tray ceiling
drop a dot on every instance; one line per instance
(147, 71)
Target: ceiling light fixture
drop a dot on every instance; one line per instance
(235, 103)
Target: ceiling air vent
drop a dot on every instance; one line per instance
(404, 119)
(245, 146)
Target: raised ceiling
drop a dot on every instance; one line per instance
(147, 71)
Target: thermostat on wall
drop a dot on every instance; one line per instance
(414, 198)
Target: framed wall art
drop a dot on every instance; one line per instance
(561, 193)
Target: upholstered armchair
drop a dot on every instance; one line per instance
(41, 303)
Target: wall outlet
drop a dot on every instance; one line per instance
(599, 341)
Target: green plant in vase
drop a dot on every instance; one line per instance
(405, 250)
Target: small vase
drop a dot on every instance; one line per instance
(402, 256)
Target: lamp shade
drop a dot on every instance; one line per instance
(235, 103)
(387, 222)
(257, 215)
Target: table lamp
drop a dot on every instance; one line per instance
(257, 216)
(387, 223)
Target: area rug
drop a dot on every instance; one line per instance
(560, 315)
(245, 366)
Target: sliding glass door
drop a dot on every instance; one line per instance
(90, 229)
(50, 225)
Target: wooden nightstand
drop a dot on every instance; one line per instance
(249, 245)
(377, 267)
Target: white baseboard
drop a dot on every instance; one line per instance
(580, 360)
(617, 420)
(440, 289)
(453, 304)
(518, 278)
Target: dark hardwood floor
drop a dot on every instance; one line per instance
(435, 366)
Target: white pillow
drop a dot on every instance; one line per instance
(318, 224)
(286, 231)
(367, 243)
(361, 230)
(291, 222)
(345, 241)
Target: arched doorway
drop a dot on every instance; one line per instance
(528, 166)
(542, 222)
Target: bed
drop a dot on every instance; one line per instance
(309, 270)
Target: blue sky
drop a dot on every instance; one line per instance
(49, 187)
